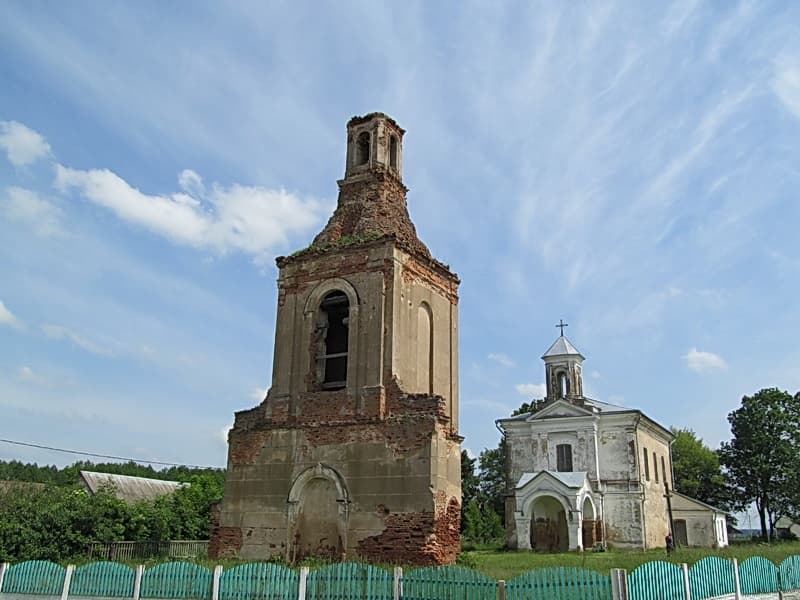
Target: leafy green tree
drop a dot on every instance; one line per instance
(697, 470)
(493, 477)
(762, 458)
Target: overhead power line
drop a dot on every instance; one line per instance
(94, 455)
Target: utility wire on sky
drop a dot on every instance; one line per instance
(93, 455)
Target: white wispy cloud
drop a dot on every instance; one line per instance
(501, 358)
(8, 319)
(23, 146)
(28, 375)
(703, 362)
(251, 220)
(786, 83)
(531, 390)
(57, 332)
(25, 206)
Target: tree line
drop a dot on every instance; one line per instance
(46, 514)
(760, 465)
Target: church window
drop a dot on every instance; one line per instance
(362, 148)
(664, 469)
(646, 464)
(564, 458)
(655, 466)
(333, 323)
(393, 151)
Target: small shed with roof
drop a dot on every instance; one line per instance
(127, 487)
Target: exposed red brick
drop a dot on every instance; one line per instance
(422, 538)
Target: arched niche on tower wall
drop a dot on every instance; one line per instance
(317, 513)
(424, 348)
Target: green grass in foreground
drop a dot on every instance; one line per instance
(501, 564)
(506, 565)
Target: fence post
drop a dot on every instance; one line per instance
(3, 569)
(67, 580)
(301, 589)
(215, 582)
(737, 586)
(686, 587)
(397, 590)
(137, 582)
(619, 584)
(501, 589)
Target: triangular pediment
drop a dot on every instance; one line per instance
(565, 483)
(561, 408)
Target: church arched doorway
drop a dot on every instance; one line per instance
(592, 526)
(317, 515)
(549, 525)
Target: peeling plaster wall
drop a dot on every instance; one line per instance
(634, 509)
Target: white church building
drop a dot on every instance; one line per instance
(583, 472)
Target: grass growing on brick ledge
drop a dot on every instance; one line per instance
(506, 565)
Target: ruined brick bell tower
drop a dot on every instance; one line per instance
(355, 452)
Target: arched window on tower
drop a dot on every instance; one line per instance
(393, 151)
(563, 385)
(332, 324)
(362, 148)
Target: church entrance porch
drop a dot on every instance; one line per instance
(556, 512)
(548, 525)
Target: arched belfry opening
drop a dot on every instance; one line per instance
(563, 385)
(393, 151)
(363, 148)
(333, 334)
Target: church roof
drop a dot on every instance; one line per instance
(562, 347)
(602, 407)
(571, 479)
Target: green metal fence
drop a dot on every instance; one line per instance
(40, 577)
(658, 580)
(177, 580)
(259, 581)
(349, 580)
(560, 584)
(710, 577)
(104, 579)
(450, 583)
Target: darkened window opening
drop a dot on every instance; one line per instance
(655, 466)
(646, 465)
(664, 469)
(335, 312)
(393, 152)
(564, 458)
(362, 148)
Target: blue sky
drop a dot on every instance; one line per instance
(632, 168)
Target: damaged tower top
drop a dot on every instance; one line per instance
(355, 451)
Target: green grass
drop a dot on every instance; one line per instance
(506, 565)
(500, 564)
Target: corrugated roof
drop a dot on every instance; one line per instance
(128, 488)
(562, 347)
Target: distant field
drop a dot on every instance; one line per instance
(505, 565)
